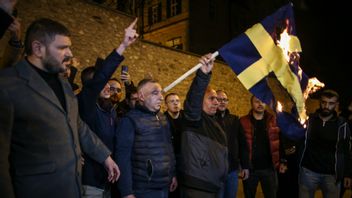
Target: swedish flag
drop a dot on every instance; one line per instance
(254, 55)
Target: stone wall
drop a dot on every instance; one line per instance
(96, 31)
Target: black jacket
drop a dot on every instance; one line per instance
(343, 146)
(237, 144)
(101, 122)
(204, 144)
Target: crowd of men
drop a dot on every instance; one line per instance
(56, 141)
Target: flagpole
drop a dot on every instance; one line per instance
(189, 72)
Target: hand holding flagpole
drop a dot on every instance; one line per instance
(189, 72)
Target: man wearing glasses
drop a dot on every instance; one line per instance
(97, 110)
(237, 147)
(115, 90)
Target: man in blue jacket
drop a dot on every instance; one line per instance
(144, 149)
(97, 110)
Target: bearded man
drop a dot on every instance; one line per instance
(42, 136)
(325, 148)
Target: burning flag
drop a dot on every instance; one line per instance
(269, 48)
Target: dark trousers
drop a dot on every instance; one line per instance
(268, 181)
(152, 193)
(288, 181)
(195, 193)
(175, 194)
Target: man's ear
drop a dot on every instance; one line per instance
(140, 96)
(38, 49)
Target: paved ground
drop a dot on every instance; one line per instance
(348, 194)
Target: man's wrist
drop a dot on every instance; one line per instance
(121, 48)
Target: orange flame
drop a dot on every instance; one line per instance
(290, 47)
(284, 44)
(313, 85)
(279, 107)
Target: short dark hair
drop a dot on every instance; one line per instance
(145, 81)
(170, 94)
(252, 98)
(87, 74)
(131, 90)
(329, 93)
(44, 30)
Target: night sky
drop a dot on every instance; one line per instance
(325, 35)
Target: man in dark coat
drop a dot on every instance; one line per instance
(98, 111)
(237, 146)
(324, 148)
(41, 134)
(204, 163)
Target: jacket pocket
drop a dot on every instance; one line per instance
(35, 169)
(150, 169)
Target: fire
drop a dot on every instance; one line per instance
(313, 85)
(303, 121)
(291, 47)
(284, 44)
(279, 107)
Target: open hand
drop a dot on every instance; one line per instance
(112, 169)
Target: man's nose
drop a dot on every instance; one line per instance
(69, 53)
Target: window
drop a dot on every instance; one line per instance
(175, 43)
(154, 14)
(173, 8)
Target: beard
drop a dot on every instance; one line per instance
(325, 112)
(54, 66)
(115, 98)
(105, 103)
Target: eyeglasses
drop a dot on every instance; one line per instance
(212, 98)
(223, 99)
(115, 90)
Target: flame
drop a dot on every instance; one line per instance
(279, 107)
(291, 47)
(284, 44)
(303, 121)
(313, 85)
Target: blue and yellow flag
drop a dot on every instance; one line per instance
(255, 54)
